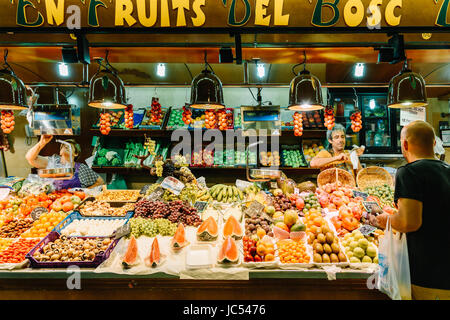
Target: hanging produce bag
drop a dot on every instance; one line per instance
(394, 276)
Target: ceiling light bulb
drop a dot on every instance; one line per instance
(372, 104)
(359, 70)
(161, 70)
(260, 70)
(63, 70)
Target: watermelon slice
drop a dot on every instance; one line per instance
(208, 230)
(280, 234)
(233, 228)
(155, 258)
(131, 257)
(229, 252)
(179, 240)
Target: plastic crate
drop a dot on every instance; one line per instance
(113, 125)
(292, 147)
(147, 115)
(52, 236)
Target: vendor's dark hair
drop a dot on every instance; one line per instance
(337, 127)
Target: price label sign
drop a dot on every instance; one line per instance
(372, 207)
(360, 194)
(367, 229)
(36, 213)
(156, 194)
(122, 231)
(200, 205)
(173, 185)
(254, 208)
(144, 189)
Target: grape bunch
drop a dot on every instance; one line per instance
(168, 168)
(150, 145)
(159, 168)
(188, 193)
(175, 211)
(151, 228)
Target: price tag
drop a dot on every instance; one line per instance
(367, 229)
(156, 194)
(200, 206)
(360, 194)
(173, 185)
(36, 213)
(255, 208)
(372, 207)
(296, 191)
(122, 231)
(144, 189)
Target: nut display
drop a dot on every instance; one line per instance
(118, 195)
(15, 228)
(72, 249)
(102, 208)
(92, 227)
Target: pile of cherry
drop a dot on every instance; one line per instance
(298, 124)
(105, 123)
(356, 121)
(329, 118)
(129, 121)
(7, 121)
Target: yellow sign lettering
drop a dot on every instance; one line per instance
(200, 17)
(55, 12)
(390, 16)
(180, 6)
(375, 18)
(165, 20)
(353, 19)
(124, 9)
(279, 18)
(261, 18)
(147, 21)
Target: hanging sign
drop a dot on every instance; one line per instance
(412, 114)
(134, 14)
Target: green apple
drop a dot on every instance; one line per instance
(375, 260)
(371, 251)
(366, 259)
(358, 252)
(363, 243)
(354, 260)
(353, 245)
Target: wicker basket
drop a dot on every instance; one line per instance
(329, 176)
(373, 176)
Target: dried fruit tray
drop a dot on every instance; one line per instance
(76, 215)
(114, 204)
(52, 236)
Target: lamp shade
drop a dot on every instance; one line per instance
(13, 95)
(407, 90)
(106, 91)
(206, 91)
(305, 93)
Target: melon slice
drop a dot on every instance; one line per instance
(297, 235)
(280, 234)
(208, 230)
(179, 240)
(155, 258)
(233, 228)
(228, 252)
(131, 257)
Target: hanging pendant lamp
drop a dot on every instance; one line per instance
(305, 91)
(206, 90)
(13, 94)
(407, 90)
(106, 89)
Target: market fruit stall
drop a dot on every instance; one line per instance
(215, 234)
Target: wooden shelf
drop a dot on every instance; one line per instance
(214, 170)
(313, 133)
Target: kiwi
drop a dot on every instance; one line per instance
(327, 248)
(335, 248)
(318, 248)
(329, 237)
(334, 258)
(326, 258)
(342, 257)
(321, 238)
(317, 258)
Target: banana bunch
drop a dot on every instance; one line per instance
(253, 189)
(203, 195)
(228, 194)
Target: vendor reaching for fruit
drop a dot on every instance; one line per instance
(84, 177)
(336, 157)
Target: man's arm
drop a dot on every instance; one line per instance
(97, 183)
(407, 219)
(320, 161)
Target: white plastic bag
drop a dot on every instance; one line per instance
(394, 275)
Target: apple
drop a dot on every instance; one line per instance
(299, 204)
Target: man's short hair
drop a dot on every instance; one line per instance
(337, 127)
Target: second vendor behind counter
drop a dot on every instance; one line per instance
(84, 177)
(336, 156)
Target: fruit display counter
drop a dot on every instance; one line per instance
(243, 232)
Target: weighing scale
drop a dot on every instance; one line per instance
(52, 119)
(260, 121)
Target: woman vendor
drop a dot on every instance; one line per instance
(84, 177)
(336, 156)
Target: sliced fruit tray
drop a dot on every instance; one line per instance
(53, 236)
